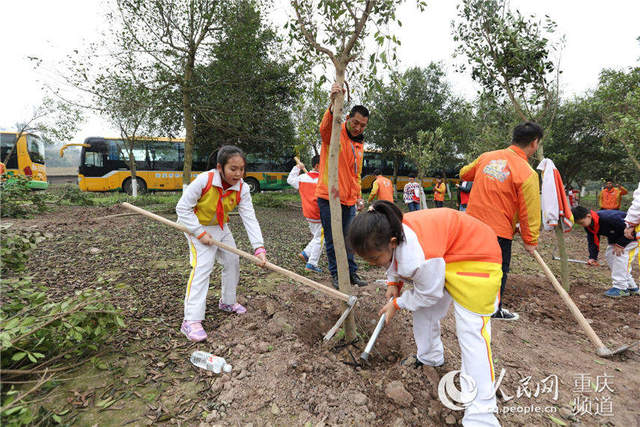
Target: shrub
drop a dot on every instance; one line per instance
(72, 195)
(18, 200)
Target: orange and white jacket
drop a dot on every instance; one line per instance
(206, 203)
(611, 199)
(438, 192)
(382, 188)
(349, 164)
(445, 248)
(306, 186)
(505, 191)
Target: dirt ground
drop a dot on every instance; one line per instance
(282, 374)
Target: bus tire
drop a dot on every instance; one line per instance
(254, 185)
(127, 186)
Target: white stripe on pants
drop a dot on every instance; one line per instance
(195, 300)
(621, 266)
(475, 352)
(314, 247)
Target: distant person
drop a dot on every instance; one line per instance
(306, 185)
(382, 188)
(439, 191)
(506, 191)
(464, 189)
(411, 194)
(611, 197)
(620, 251)
(349, 177)
(574, 196)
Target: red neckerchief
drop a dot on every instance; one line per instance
(220, 208)
(595, 227)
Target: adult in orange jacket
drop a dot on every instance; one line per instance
(611, 197)
(349, 176)
(506, 191)
(438, 192)
(382, 188)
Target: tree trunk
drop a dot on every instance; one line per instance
(395, 173)
(132, 168)
(564, 263)
(188, 123)
(344, 281)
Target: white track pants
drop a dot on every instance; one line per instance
(474, 337)
(202, 258)
(314, 247)
(621, 266)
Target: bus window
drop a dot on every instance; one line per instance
(7, 143)
(35, 147)
(93, 159)
(164, 155)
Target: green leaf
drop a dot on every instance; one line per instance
(57, 418)
(557, 421)
(18, 356)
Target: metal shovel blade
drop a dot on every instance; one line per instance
(605, 352)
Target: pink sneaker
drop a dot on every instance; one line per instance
(235, 308)
(193, 330)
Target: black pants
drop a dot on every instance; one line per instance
(439, 204)
(505, 246)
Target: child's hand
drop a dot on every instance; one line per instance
(263, 258)
(392, 292)
(618, 250)
(629, 233)
(207, 240)
(389, 309)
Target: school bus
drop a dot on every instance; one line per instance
(27, 158)
(375, 160)
(104, 166)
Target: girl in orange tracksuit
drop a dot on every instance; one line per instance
(438, 192)
(449, 256)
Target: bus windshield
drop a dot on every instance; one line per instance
(35, 148)
(7, 143)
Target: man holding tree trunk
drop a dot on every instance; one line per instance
(349, 176)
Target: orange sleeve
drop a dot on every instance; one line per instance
(529, 212)
(325, 126)
(623, 191)
(468, 172)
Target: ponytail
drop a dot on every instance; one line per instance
(373, 229)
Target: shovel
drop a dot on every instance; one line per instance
(349, 299)
(601, 349)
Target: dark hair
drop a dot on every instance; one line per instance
(579, 213)
(359, 109)
(315, 160)
(372, 230)
(228, 151)
(525, 133)
(377, 172)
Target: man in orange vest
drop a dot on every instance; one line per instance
(382, 188)
(611, 197)
(306, 186)
(438, 192)
(506, 191)
(349, 177)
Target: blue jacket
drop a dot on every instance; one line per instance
(611, 224)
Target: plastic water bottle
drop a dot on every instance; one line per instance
(208, 361)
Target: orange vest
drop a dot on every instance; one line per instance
(470, 249)
(611, 199)
(385, 188)
(349, 164)
(307, 190)
(438, 192)
(214, 205)
(505, 191)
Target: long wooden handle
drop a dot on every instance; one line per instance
(298, 162)
(569, 302)
(305, 281)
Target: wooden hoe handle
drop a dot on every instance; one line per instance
(301, 279)
(569, 302)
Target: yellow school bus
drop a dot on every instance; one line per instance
(26, 159)
(104, 165)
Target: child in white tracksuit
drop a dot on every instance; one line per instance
(306, 185)
(204, 209)
(450, 257)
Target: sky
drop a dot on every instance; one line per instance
(598, 35)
